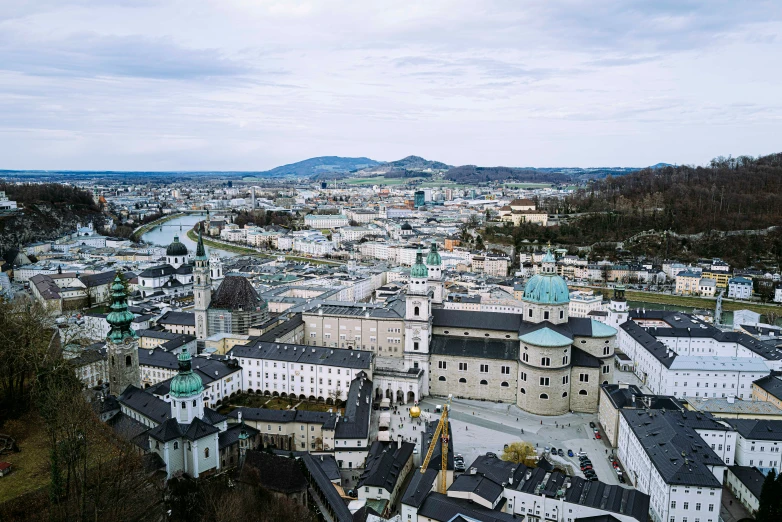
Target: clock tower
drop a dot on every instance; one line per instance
(418, 321)
(202, 289)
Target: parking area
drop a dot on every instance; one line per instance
(478, 427)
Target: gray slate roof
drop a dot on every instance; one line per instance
(751, 477)
(754, 429)
(303, 354)
(483, 348)
(384, 464)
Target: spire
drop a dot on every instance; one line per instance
(200, 250)
(120, 318)
(419, 269)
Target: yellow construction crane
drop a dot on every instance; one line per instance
(442, 432)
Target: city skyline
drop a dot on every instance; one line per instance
(242, 86)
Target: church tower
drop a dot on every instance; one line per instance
(617, 307)
(434, 264)
(215, 270)
(187, 392)
(202, 288)
(121, 343)
(418, 320)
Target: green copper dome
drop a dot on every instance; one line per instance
(433, 259)
(176, 248)
(546, 289)
(120, 318)
(186, 383)
(419, 269)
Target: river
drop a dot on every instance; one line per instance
(163, 235)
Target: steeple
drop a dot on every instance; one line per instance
(120, 318)
(200, 250)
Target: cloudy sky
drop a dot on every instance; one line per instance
(252, 84)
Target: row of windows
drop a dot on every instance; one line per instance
(687, 506)
(544, 396)
(484, 382)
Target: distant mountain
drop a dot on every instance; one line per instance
(319, 166)
(417, 163)
(660, 165)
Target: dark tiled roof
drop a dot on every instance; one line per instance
(168, 430)
(236, 293)
(158, 358)
(267, 415)
(145, 403)
(772, 384)
(230, 436)
(443, 508)
(676, 450)
(753, 429)
(483, 348)
(420, 486)
(103, 278)
(322, 482)
(479, 485)
(303, 354)
(177, 318)
(481, 320)
(158, 271)
(276, 473)
(212, 417)
(358, 406)
(751, 477)
(583, 359)
(198, 429)
(384, 464)
(630, 396)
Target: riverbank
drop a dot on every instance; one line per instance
(143, 229)
(253, 252)
(689, 302)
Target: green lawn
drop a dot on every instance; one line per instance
(31, 464)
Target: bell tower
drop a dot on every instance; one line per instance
(434, 265)
(121, 342)
(202, 288)
(418, 321)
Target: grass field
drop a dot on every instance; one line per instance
(31, 464)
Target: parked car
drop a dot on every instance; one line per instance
(581, 453)
(591, 478)
(560, 452)
(621, 479)
(597, 435)
(490, 454)
(585, 467)
(459, 466)
(592, 425)
(547, 449)
(570, 453)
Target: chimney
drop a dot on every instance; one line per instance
(239, 416)
(398, 441)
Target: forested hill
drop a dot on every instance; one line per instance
(50, 210)
(730, 194)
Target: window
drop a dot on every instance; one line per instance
(441, 378)
(686, 505)
(698, 505)
(544, 396)
(544, 381)
(529, 312)
(206, 453)
(442, 364)
(711, 507)
(504, 384)
(564, 360)
(582, 392)
(564, 394)
(463, 380)
(525, 357)
(484, 368)
(606, 350)
(523, 391)
(176, 445)
(583, 377)
(462, 366)
(128, 360)
(523, 376)
(545, 361)
(545, 316)
(415, 345)
(505, 370)
(484, 382)
(565, 379)
(561, 314)
(417, 311)
(673, 504)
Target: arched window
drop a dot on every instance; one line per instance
(417, 311)
(545, 361)
(441, 378)
(463, 380)
(582, 392)
(484, 382)
(194, 403)
(184, 405)
(128, 360)
(561, 314)
(605, 382)
(206, 453)
(544, 396)
(523, 391)
(504, 384)
(176, 445)
(564, 394)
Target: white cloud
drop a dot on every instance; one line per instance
(243, 84)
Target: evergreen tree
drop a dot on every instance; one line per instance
(769, 502)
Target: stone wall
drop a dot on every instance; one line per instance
(472, 387)
(584, 403)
